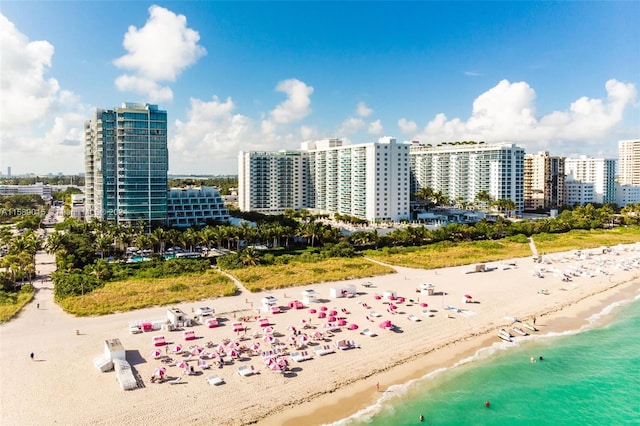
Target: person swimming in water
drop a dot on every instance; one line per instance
(421, 418)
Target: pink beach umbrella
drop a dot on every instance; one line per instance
(177, 349)
(221, 348)
(291, 339)
(401, 300)
(268, 330)
(182, 364)
(393, 307)
(196, 351)
(234, 345)
(159, 372)
(342, 323)
(269, 339)
(212, 355)
(332, 319)
(233, 353)
(303, 338)
(377, 297)
(353, 326)
(333, 312)
(323, 308)
(312, 311)
(317, 335)
(291, 329)
(424, 305)
(385, 324)
(156, 354)
(255, 346)
(322, 315)
(303, 321)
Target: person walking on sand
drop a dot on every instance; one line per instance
(534, 320)
(32, 356)
(38, 305)
(378, 387)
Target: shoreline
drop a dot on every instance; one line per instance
(322, 390)
(330, 408)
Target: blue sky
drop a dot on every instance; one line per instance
(234, 76)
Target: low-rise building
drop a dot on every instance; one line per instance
(195, 206)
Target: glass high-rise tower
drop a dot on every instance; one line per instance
(126, 165)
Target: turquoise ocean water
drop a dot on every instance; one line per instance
(588, 377)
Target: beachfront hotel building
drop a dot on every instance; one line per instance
(271, 182)
(544, 181)
(370, 181)
(461, 170)
(126, 164)
(195, 207)
(600, 172)
(629, 162)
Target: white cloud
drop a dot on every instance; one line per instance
(213, 134)
(297, 105)
(407, 127)
(375, 128)
(362, 110)
(41, 124)
(351, 125)
(507, 112)
(158, 52)
(27, 95)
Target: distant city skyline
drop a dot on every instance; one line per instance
(239, 76)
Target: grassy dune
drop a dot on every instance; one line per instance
(11, 306)
(127, 295)
(257, 278)
(445, 254)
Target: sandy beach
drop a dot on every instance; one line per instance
(62, 385)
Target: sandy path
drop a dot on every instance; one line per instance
(64, 387)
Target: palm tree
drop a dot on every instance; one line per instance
(249, 256)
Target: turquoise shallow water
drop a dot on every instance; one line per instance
(590, 377)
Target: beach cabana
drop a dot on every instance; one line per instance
(189, 335)
(212, 323)
(268, 302)
(343, 291)
(158, 341)
(309, 296)
(296, 304)
(177, 318)
(427, 289)
(237, 327)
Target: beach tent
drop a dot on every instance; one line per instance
(212, 322)
(296, 304)
(189, 335)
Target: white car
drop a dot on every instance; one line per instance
(204, 311)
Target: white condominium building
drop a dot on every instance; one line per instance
(598, 171)
(272, 182)
(461, 170)
(629, 162)
(369, 181)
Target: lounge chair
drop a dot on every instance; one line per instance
(215, 380)
(375, 314)
(414, 318)
(175, 381)
(324, 350)
(296, 357)
(368, 332)
(246, 370)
